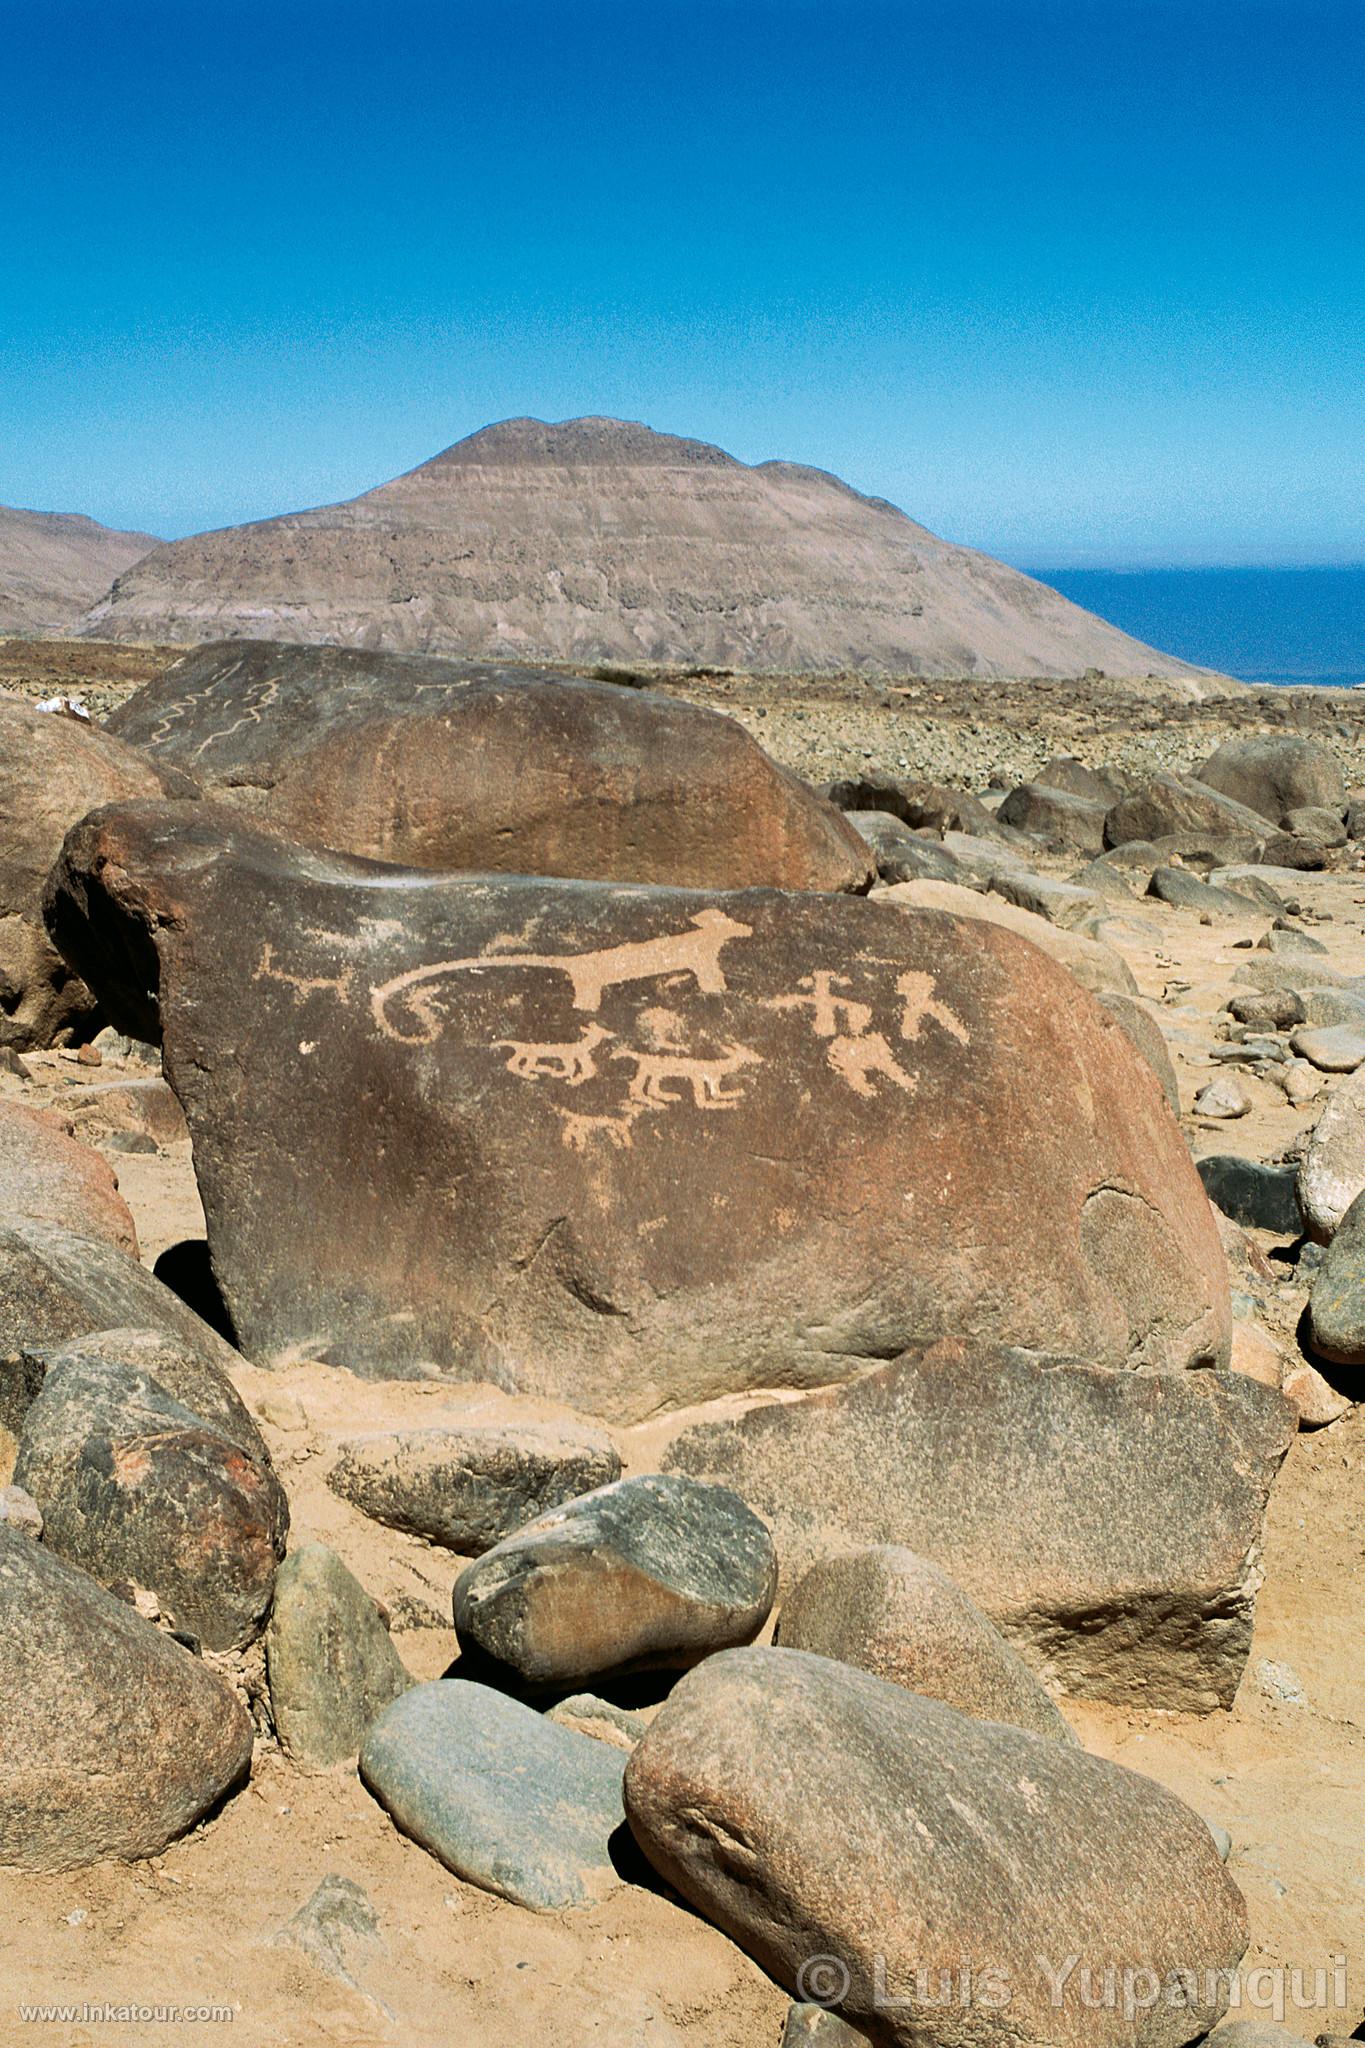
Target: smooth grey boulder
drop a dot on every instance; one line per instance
(1275, 773)
(1332, 1172)
(466, 1486)
(649, 1574)
(901, 1618)
(55, 1285)
(136, 1487)
(1108, 1523)
(1259, 1197)
(1186, 891)
(1316, 822)
(1331, 1048)
(115, 1739)
(1224, 1098)
(1180, 805)
(331, 1666)
(501, 1795)
(1062, 820)
(1299, 974)
(1286, 939)
(901, 854)
(1061, 903)
(813, 1811)
(1332, 1006)
(1336, 1305)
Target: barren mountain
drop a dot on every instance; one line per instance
(54, 564)
(598, 539)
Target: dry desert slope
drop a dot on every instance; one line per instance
(599, 539)
(54, 564)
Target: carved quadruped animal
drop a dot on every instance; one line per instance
(706, 1078)
(572, 1063)
(695, 951)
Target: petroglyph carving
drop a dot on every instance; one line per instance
(580, 1131)
(572, 1063)
(856, 1052)
(825, 1007)
(916, 991)
(696, 952)
(857, 1060)
(667, 1071)
(258, 698)
(705, 1078)
(301, 986)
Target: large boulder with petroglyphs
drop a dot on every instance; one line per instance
(477, 767)
(636, 1146)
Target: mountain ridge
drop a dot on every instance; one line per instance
(596, 539)
(53, 565)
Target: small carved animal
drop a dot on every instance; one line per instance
(572, 1063)
(706, 1078)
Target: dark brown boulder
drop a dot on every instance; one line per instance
(1108, 1523)
(53, 769)
(635, 1147)
(115, 1739)
(470, 766)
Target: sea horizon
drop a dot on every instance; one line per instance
(1297, 626)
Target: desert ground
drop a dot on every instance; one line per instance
(208, 1924)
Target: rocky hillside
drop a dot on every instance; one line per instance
(54, 564)
(600, 540)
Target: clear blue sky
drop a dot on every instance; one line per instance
(1079, 281)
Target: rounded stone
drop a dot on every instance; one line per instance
(900, 1617)
(649, 1574)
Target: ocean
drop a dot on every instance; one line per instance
(1266, 625)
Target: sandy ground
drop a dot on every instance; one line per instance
(1285, 1775)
